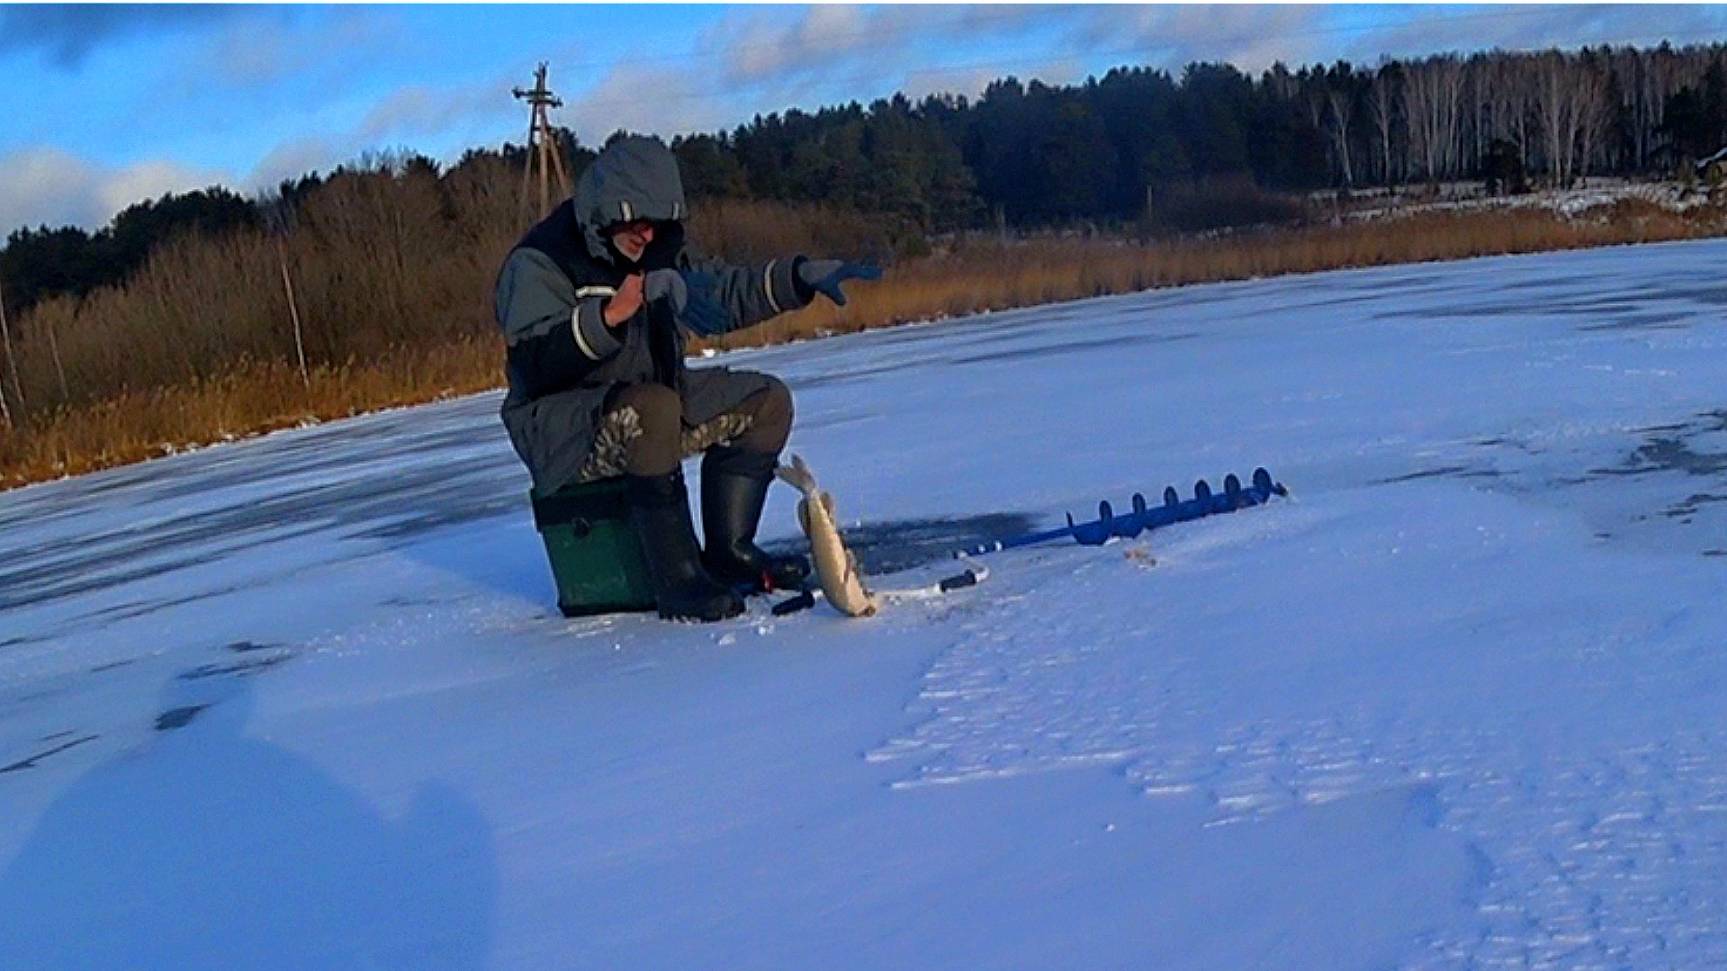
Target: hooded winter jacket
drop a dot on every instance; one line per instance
(562, 359)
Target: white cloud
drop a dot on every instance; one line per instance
(967, 81)
(661, 101)
(405, 118)
(770, 59)
(245, 56)
(829, 41)
(1250, 37)
(971, 81)
(421, 110)
(760, 50)
(115, 189)
(48, 186)
(761, 60)
(1534, 28)
(331, 47)
(292, 159)
(1254, 37)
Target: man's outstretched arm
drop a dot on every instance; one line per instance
(747, 295)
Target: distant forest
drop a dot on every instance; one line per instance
(1212, 146)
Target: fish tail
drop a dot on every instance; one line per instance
(797, 475)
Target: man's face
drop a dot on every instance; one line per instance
(631, 239)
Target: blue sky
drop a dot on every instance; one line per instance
(107, 105)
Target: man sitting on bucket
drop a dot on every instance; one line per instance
(590, 302)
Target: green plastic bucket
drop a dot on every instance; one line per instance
(596, 558)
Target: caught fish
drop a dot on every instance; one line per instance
(836, 567)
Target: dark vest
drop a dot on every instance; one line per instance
(560, 236)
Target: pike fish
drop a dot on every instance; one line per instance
(836, 567)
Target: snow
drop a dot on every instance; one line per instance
(1460, 702)
(1591, 199)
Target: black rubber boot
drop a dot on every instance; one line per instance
(683, 590)
(734, 487)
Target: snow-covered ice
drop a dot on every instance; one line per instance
(1461, 702)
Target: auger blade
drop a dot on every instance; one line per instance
(1144, 517)
(1132, 524)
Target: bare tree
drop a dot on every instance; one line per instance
(1569, 98)
(1418, 120)
(1519, 91)
(1432, 91)
(1592, 117)
(1478, 132)
(1382, 107)
(1341, 102)
(1553, 109)
(1639, 101)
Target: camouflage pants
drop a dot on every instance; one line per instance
(643, 432)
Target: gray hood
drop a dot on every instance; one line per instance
(633, 178)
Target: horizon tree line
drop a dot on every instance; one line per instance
(1136, 146)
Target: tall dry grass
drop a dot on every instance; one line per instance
(250, 398)
(394, 277)
(983, 273)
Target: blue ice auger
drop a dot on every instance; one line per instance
(1143, 517)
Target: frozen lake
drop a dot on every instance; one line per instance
(1461, 702)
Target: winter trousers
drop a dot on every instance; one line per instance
(655, 439)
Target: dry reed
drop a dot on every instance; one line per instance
(404, 317)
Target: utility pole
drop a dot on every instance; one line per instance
(543, 154)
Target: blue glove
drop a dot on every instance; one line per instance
(693, 297)
(704, 313)
(825, 276)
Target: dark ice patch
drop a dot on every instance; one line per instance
(239, 669)
(367, 506)
(1710, 295)
(178, 717)
(1690, 504)
(1646, 320)
(903, 544)
(1664, 454)
(138, 609)
(1437, 473)
(844, 377)
(1547, 284)
(68, 579)
(1679, 453)
(1069, 347)
(461, 510)
(1599, 312)
(30, 763)
(111, 665)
